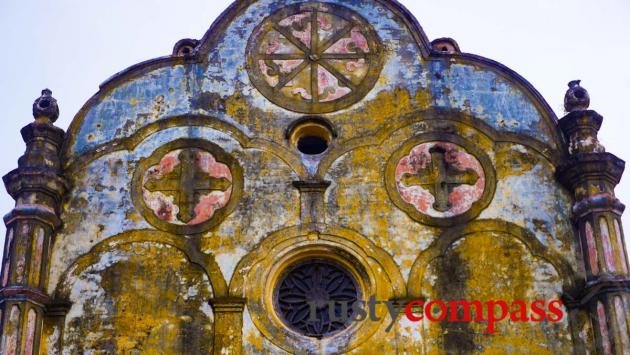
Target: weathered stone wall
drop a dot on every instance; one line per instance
(138, 274)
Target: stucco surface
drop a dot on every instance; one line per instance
(107, 251)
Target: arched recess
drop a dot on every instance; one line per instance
(493, 260)
(257, 273)
(205, 261)
(141, 290)
(452, 235)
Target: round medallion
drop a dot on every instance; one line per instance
(314, 57)
(187, 186)
(310, 296)
(440, 182)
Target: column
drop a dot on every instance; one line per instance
(592, 174)
(37, 188)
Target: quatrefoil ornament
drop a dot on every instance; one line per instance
(440, 179)
(314, 58)
(187, 186)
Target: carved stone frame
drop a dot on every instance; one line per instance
(473, 211)
(257, 274)
(375, 62)
(219, 154)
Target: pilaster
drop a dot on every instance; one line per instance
(312, 200)
(228, 325)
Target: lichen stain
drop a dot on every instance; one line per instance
(493, 266)
(260, 120)
(208, 101)
(254, 342)
(386, 108)
(239, 233)
(117, 307)
(358, 200)
(529, 195)
(144, 297)
(514, 160)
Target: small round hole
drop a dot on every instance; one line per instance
(44, 104)
(312, 145)
(444, 49)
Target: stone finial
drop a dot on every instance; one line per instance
(185, 47)
(580, 125)
(45, 106)
(445, 45)
(576, 98)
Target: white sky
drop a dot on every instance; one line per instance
(71, 46)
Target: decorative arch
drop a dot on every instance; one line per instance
(258, 272)
(437, 120)
(188, 120)
(289, 236)
(452, 235)
(205, 262)
(140, 290)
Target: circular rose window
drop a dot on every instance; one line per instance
(314, 57)
(310, 297)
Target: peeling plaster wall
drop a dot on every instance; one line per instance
(494, 266)
(214, 100)
(526, 195)
(101, 205)
(114, 303)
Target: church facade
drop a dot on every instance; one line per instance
(285, 183)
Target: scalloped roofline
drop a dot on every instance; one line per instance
(233, 10)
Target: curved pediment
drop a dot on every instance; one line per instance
(368, 62)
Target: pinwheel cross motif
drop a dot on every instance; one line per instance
(314, 58)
